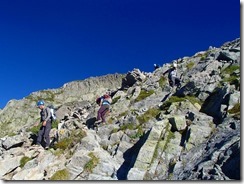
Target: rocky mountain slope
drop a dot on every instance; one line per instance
(152, 132)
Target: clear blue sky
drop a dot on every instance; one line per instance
(69, 40)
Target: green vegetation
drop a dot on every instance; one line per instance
(174, 99)
(170, 136)
(230, 69)
(35, 129)
(228, 74)
(144, 94)
(71, 141)
(11, 134)
(162, 81)
(122, 114)
(92, 163)
(24, 160)
(55, 123)
(236, 111)
(151, 113)
(115, 100)
(193, 100)
(139, 133)
(130, 126)
(190, 65)
(60, 175)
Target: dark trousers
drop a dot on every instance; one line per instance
(174, 81)
(44, 133)
(102, 112)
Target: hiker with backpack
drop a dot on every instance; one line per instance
(104, 103)
(46, 122)
(156, 66)
(172, 76)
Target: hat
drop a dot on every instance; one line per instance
(40, 102)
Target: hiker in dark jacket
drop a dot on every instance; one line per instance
(104, 103)
(172, 76)
(46, 122)
(156, 66)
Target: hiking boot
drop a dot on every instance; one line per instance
(47, 147)
(36, 145)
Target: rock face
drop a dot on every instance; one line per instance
(153, 132)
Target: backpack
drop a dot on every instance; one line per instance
(107, 98)
(52, 110)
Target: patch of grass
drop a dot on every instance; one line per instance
(115, 100)
(61, 175)
(193, 100)
(122, 114)
(24, 160)
(170, 136)
(151, 113)
(11, 134)
(174, 99)
(230, 69)
(236, 109)
(55, 124)
(144, 94)
(162, 81)
(171, 100)
(130, 126)
(230, 77)
(35, 129)
(92, 163)
(138, 134)
(71, 141)
(114, 130)
(190, 65)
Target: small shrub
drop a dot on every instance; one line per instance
(60, 175)
(63, 144)
(144, 94)
(24, 160)
(92, 163)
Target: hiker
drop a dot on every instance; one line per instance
(46, 121)
(156, 66)
(104, 103)
(172, 76)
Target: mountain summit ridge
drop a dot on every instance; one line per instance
(152, 132)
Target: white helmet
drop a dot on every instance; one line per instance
(175, 65)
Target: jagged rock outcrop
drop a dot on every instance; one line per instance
(13, 117)
(152, 132)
